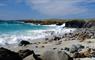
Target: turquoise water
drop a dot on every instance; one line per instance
(20, 27)
(12, 33)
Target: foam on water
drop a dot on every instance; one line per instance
(29, 34)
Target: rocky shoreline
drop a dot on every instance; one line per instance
(76, 45)
(70, 23)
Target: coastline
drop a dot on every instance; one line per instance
(75, 43)
(40, 46)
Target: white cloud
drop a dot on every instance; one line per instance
(58, 7)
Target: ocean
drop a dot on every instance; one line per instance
(13, 33)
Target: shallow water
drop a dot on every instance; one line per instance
(14, 33)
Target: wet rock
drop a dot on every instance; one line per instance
(55, 55)
(24, 43)
(6, 54)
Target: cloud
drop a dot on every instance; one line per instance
(59, 7)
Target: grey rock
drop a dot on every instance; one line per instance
(55, 55)
(75, 48)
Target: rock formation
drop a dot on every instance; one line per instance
(6, 54)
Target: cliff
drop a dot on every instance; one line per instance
(80, 24)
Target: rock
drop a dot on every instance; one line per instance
(67, 49)
(24, 43)
(25, 53)
(28, 54)
(86, 52)
(59, 24)
(56, 38)
(89, 24)
(75, 24)
(36, 56)
(75, 48)
(83, 54)
(55, 55)
(6, 54)
(80, 24)
(30, 57)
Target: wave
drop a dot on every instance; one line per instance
(28, 35)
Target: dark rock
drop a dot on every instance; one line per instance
(75, 24)
(25, 53)
(80, 46)
(89, 24)
(6, 54)
(62, 49)
(67, 49)
(54, 48)
(80, 24)
(57, 38)
(76, 48)
(24, 43)
(59, 24)
(36, 56)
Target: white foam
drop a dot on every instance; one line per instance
(51, 25)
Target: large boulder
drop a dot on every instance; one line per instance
(55, 55)
(6, 54)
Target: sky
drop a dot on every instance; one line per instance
(42, 9)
